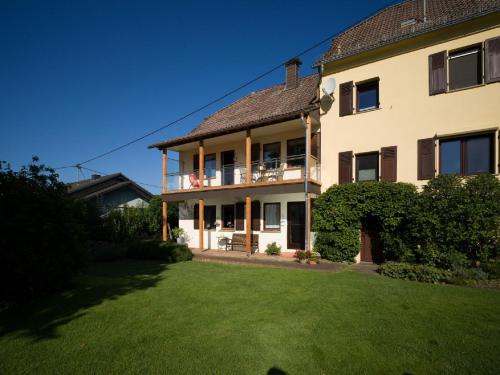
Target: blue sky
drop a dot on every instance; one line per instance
(78, 78)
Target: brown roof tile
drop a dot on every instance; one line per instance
(271, 105)
(385, 27)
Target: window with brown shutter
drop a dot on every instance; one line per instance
(388, 163)
(425, 159)
(209, 218)
(492, 60)
(345, 167)
(437, 73)
(345, 103)
(255, 215)
(240, 216)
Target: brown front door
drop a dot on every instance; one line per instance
(370, 246)
(296, 225)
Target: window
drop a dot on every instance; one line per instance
(209, 218)
(228, 216)
(367, 167)
(465, 68)
(467, 155)
(209, 165)
(367, 96)
(272, 154)
(272, 214)
(296, 150)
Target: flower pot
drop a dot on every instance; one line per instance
(180, 240)
(312, 262)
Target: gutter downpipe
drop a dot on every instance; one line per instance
(306, 185)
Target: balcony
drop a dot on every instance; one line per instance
(267, 172)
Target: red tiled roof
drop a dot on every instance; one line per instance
(388, 25)
(271, 105)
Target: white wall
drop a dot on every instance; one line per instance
(210, 236)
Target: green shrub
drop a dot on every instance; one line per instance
(158, 250)
(43, 232)
(102, 251)
(273, 249)
(339, 211)
(415, 272)
(492, 268)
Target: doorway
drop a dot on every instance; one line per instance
(227, 161)
(296, 225)
(370, 243)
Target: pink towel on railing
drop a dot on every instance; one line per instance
(193, 179)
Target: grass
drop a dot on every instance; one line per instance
(199, 318)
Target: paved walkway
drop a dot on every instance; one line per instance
(284, 261)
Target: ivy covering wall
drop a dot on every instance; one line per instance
(452, 222)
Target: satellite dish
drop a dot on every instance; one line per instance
(329, 86)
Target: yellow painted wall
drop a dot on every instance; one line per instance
(407, 112)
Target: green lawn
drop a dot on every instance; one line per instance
(200, 318)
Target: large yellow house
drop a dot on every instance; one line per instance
(417, 93)
(410, 92)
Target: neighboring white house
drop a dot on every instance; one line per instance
(111, 191)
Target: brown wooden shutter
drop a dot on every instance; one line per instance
(196, 216)
(196, 162)
(316, 145)
(437, 73)
(492, 60)
(345, 104)
(255, 215)
(345, 167)
(426, 159)
(240, 216)
(389, 163)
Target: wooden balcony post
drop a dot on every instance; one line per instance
(201, 205)
(248, 225)
(248, 157)
(201, 173)
(308, 223)
(308, 151)
(164, 190)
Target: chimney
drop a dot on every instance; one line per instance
(95, 176)
(292, 73)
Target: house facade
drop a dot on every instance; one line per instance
(247, 174)
(417, 95)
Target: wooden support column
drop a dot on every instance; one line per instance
(164, 190)
(201, 204)
(201, 173)
(248, 157)
(248, 225)
(308, 223)
(308, 151)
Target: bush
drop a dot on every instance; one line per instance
(339, 211)
(42, 232)
(415, 272)
(169, 252)
(492, 268)
(102, 251)
(273, 249)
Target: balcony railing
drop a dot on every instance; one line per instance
(269, 170)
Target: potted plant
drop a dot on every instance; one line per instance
(178, 234)
(273, 249)
(301, 256)
(313, 257)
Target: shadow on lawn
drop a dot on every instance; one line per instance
(100, 282)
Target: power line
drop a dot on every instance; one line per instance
(220, 98)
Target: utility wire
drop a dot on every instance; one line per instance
(220, 98)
